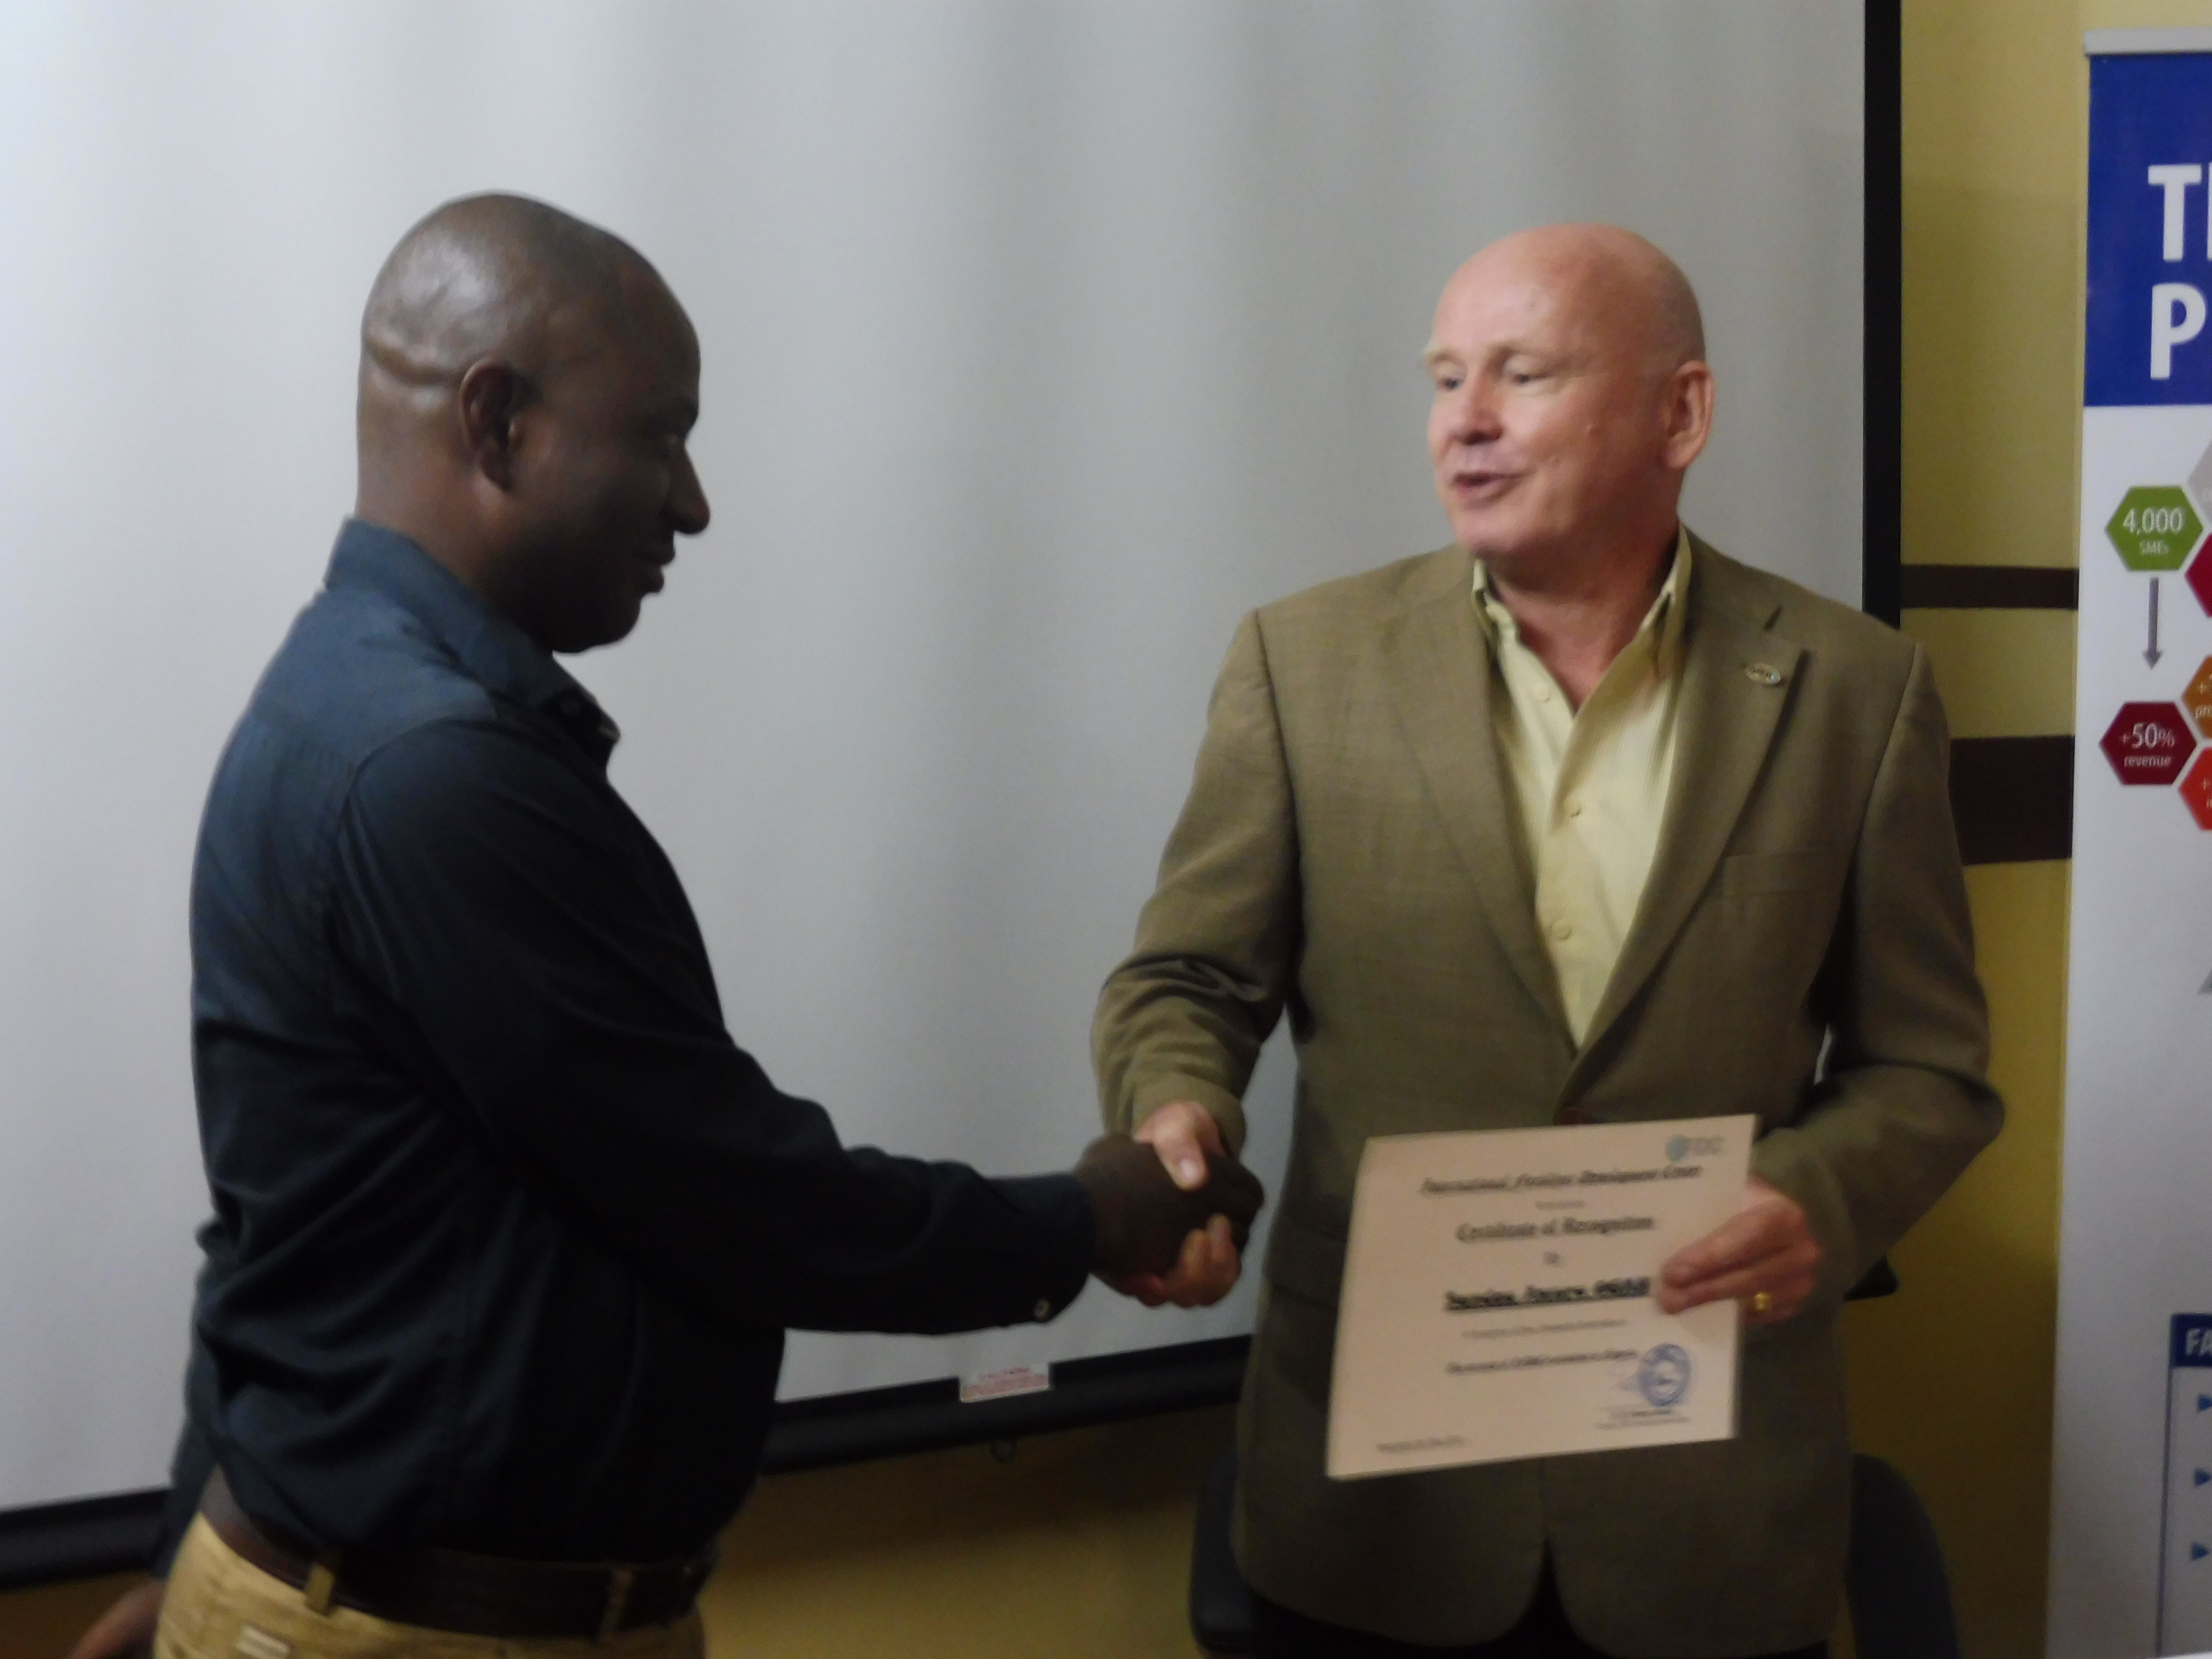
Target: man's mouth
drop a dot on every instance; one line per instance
(1482, 482)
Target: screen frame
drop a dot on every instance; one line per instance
(81, 1538)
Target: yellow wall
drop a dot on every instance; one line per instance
(1995, 113)
(1079, 1548)
(1078, 1545)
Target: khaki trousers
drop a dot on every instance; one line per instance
(220, 1606)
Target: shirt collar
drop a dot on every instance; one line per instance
(1663, 621)
(492, 649)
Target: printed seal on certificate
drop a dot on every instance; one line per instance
(1663, 1377)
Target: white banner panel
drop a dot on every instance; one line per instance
(2131, 1560)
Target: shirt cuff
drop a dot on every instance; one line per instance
(1057, 1213)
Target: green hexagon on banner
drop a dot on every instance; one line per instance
(2155, 527)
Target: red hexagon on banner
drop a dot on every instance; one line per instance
(2197, 790)
(2198, 575)
(2148, 743)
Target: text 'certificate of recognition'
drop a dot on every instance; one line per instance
(1498, 1300)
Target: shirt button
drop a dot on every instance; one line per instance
(1543, 694)
(1563, 930)
(1574, 809)
(1044, 1309)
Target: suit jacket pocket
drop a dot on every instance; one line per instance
(1749, 875)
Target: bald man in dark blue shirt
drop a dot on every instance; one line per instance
(507, 1231)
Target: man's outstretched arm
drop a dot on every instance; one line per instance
(1179, 1024)
(510, 930)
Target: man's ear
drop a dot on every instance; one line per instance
(492, 394)
(1687, 406)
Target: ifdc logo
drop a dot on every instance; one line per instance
(1663, 1377)
(1680, 1146)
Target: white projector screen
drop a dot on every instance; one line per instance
(1041, 341)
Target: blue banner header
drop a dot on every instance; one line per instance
(2150, 230)
(2192, 1340)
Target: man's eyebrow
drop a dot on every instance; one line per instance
(1434, 354)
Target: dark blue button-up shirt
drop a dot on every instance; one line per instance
(507, 1229)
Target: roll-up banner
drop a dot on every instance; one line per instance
(2132, 1526)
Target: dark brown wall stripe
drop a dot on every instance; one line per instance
(1989, 587)
(2013, 798)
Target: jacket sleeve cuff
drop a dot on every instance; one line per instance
(1786, 1161)
(1222, 1106)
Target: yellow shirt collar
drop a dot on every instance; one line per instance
(1664, 618)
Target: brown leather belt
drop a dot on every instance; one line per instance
(467, 1595)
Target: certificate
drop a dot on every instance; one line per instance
(1497, 1299)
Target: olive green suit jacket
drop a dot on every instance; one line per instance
(1351, 853)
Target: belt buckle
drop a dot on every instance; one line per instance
(619, 1581)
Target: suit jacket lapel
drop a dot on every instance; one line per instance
(1736, 678)
(1437, 663)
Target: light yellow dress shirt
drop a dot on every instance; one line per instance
(1591, 783)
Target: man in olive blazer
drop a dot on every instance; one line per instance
(1352, 852)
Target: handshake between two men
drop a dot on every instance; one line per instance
(1169, 1216)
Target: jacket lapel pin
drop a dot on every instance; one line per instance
(1765, 673)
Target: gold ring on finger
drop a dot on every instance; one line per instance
(1762, 1304)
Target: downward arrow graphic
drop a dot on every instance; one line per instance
(2153, 654)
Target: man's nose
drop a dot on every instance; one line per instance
(686, 498)
(1473, 416)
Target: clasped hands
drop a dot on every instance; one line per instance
(1173, 1208)
(1764, 1256)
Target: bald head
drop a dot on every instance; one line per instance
(485, 278)
(1606, 276)
(1572, 395)
(526, 384)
